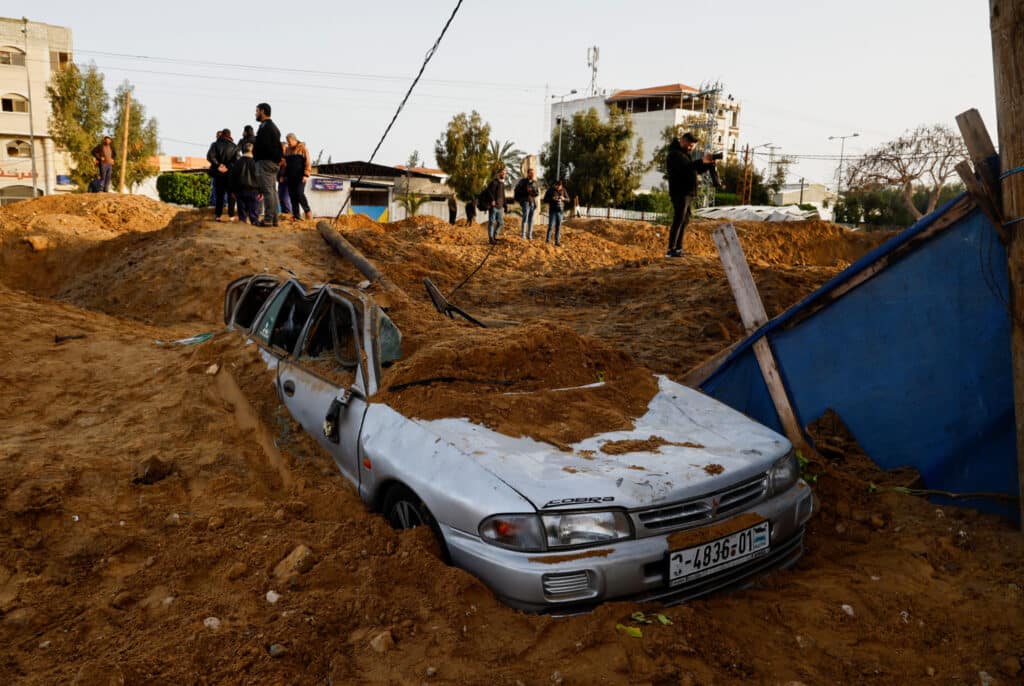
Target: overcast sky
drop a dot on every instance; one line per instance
(334, 72)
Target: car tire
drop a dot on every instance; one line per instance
(404, 510)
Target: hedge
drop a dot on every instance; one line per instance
(184, 189)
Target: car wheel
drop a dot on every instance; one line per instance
(404, 510)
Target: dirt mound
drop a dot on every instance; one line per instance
(508, 379)
(106, 578)
(776, 243)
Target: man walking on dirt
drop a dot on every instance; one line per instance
(104, 156)
(496, 212)
(682, 172)
(268, 152)
(525, 194)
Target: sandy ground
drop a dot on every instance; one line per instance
(149, 493)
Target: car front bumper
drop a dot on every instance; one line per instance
(565, 581)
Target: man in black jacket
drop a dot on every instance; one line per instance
(221, 156)
(267, 152)
(682, 186)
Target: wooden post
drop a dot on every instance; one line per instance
(1007, 25)
(752, 312)
(124, 138)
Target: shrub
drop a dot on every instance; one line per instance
(184, 189)
(723, 198)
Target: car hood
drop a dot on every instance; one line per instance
(704, 446)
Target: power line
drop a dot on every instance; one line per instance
(401, 105)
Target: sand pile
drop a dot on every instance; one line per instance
(114, 569)
(514, 381)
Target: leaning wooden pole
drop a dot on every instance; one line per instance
(1006, 19)
(124, 138)
(753, 315)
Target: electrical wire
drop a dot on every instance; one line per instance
(401, 105)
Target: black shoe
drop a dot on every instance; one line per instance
(674, 253)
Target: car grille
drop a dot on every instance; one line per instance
(568, 586)
(699, 510)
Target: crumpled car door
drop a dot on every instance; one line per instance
(322, 385)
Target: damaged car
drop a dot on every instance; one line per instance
(543, 537)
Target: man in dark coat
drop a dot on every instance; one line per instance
(221, 156)
(268, 153)
(682, 186)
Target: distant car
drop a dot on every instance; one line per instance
(720, 503)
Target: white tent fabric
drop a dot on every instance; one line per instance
(757, 213)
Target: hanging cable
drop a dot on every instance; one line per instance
(401, 105)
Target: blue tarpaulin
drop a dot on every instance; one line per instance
(916, 360)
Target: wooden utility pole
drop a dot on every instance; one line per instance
(124, 138)
(1006, 20)
(744, 181)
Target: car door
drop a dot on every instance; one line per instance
(323, 384)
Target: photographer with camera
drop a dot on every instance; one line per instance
(682, 172)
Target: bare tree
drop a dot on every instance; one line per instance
(924, 157)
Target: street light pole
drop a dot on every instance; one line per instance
(561, 116)
(31, 111)
(842, 150)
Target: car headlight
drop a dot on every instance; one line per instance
(783, 473)
(583, 528)
(516, 531)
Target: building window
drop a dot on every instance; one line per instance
(12, 56)
(18, 149)
(13, 103)
(59, 60)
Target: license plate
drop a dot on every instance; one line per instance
(721, 553)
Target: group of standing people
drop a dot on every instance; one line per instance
(260, 165)
(526, 193)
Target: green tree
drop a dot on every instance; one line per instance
(671, 133)
(463, 152)
(598, 160)
(730, 173)
(78, 104)
(506, 156)
(143, 142)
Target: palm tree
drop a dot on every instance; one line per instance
(505, 155)
(411, 202)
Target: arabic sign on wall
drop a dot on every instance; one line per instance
(328, 184)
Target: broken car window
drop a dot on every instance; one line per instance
(390, 340)
(252, 300)
(282, 324)
(331, 348)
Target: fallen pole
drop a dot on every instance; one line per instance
(352, 254)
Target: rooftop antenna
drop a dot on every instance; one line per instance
(593, 54)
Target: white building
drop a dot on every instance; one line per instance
(653, 109)
(29, 53)
(815, 194)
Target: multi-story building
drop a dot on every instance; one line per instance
(653, 109)
(29, 53)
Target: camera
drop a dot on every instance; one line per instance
(717, 155)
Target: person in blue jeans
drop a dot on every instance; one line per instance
(555, 198)
(525, 194)
(496, 211)
(104, 155)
